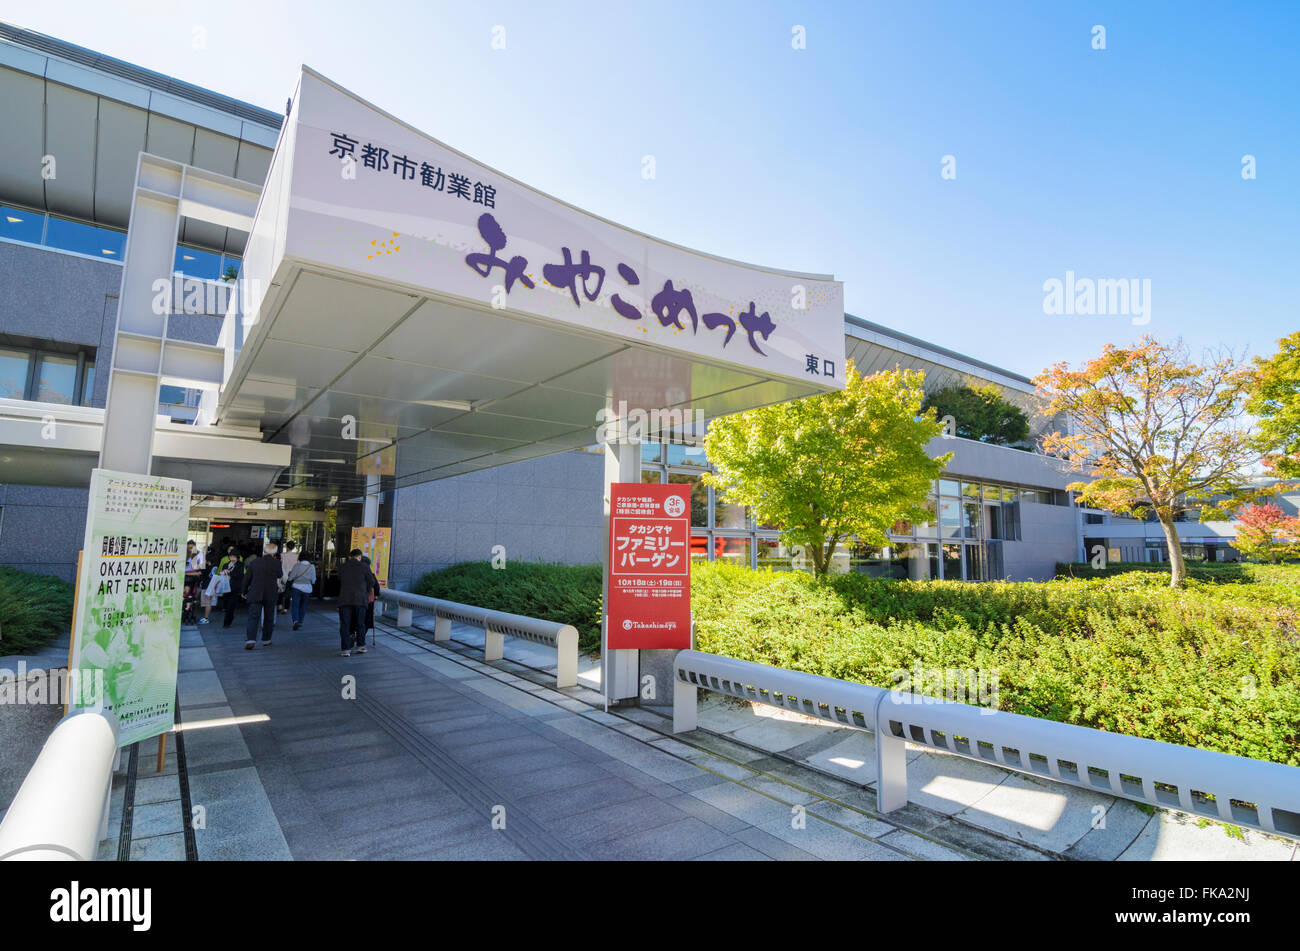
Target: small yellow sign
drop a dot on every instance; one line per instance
(374, 544)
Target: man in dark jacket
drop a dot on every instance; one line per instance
(354, 592)
(236, 567)
(262, 592)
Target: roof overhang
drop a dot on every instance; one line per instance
(57, 445)
(382, 309)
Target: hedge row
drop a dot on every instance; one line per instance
(1211, 665)
(569, 594)
(34, 609)
(1222, 572)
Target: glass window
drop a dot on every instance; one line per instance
(949, 518)
(88, 383)
(680, 454)
(726, 515)
(952, 562)
(923, 562)
(171, 395)
(1009, 494)
(993, 521)
(974, 563)
(56, 379)
(734, 550)
(13, 374)
(19, 225)
(949, 487)
(993, 492)
(971, 519)
(230, 268)
(652, 452)
(699, 497)
(195, 263)
(1028, 495)
(84, 239)
(970, 490)
(772, 553)
(700, 547)
(929, 528)
(651, 476)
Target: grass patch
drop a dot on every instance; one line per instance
(34, 609)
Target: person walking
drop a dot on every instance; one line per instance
(262, 590)
(353, 591)
(287, 561)
(298, 584)
(215, 593)
(193, 581)
(237, 567)
(372, 594)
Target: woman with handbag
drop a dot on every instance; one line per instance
(300, 582)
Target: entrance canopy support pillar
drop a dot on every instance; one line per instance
(618, 668)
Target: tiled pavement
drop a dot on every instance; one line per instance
(429, 753)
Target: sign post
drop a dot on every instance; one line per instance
(126, 639)
(649, 603)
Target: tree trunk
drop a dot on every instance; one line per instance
(819, 560)
(1177, 567)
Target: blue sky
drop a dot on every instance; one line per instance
(1116, 163)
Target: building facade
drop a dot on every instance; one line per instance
(76, 123)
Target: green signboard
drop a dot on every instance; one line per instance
(127, 631)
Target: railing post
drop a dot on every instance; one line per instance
(403, 615)
(684, 699)
(566, 663)
(891, 762)
(441, 628)
(494, 643)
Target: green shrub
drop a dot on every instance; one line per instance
(1214, 665)
(569, 594)
(34, 609)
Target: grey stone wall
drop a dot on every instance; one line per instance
(546, 509)
(61, 297)
(42, 528)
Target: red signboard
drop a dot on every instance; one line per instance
(649, 566)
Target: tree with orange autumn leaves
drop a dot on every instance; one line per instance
(1155, 432)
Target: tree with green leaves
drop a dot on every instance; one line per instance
(980, 412)
(827, 468)
(1275, 399)
(1155, 432)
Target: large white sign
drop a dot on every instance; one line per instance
(376, 197)
(127, 629)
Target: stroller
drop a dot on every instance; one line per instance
(194, 584)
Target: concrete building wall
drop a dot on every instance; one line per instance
(546, 509)
(61, 297)
(1048, 533)
(42, 528)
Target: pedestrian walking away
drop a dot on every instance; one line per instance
(354, 590)
(372, 594)
(299, 583)
(262, 591)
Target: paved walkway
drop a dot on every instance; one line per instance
(429, 753)
(421, 751)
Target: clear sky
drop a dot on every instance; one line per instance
(1119, 163)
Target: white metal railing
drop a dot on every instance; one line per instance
(61, 809)
(496, 625)
(1235, 789)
